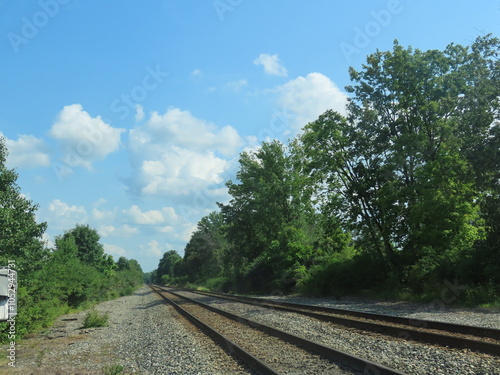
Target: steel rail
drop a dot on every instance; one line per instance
(233, 348)
(409, 332)
(357, 363)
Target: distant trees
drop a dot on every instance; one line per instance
(165, 270)
(401, 193)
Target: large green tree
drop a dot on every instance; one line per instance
(269, 217)
(405, 160)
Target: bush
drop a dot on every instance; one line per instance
(113, 370)
(218, 284)
(94, 319)
(342, 272)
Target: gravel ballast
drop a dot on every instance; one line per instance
(144, 335)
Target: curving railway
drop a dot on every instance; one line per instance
(270, 350)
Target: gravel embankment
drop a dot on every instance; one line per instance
(408, 357)
(144, 336)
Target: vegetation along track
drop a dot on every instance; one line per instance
(485, 340)
(266, 349)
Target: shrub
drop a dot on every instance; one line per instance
(113, 370)
(94, 319)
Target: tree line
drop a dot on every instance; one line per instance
(400, 194)
(51, 282)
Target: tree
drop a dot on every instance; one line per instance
(267, 217)
(89, 249)
(166, 265)
(204, 253)
(401, 160)
(20, 234)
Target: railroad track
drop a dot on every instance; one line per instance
(480, 339)
(266, 349)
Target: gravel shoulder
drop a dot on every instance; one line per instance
(144, 336)
(441, 310)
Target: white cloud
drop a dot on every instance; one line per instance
(103, 215)
(115, 250)
(155, 249)
(112, 231)
(177, 154)
(271, 64)
(308, 97)
(106, 230)
(28, 151)
(152, 217)
(196, 72)
(170, 214)
(139, 112)
(64, 216)
(181, 128)
(85, 139)
(166, 229)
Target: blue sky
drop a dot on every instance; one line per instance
(130, 116)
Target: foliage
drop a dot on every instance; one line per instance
(89, 250)
(165, 270)
(113, 370)
(94, 319)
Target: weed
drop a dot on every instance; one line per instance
(112, 370)
(94, 319)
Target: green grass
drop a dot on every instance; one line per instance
(112, 370)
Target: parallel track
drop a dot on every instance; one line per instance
(258, 364)
(480, 339)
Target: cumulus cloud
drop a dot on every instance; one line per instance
(271, 64)
(181, 128)
(27, 152)
(114, 250)
(120, 231)
(177, 154)
(152, 217)
(84, 139)
(155, 249)
(64, 216)
(305, 98)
